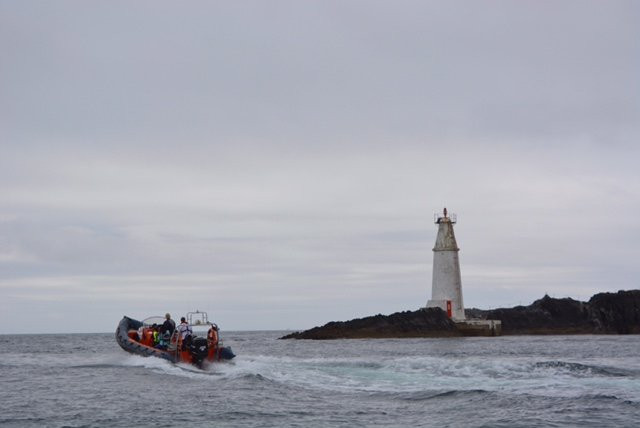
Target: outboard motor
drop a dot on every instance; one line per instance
(198, 349)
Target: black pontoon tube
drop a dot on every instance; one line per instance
(130, 345)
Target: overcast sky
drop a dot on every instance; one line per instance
(278, 163)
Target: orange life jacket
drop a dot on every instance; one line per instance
(212, 335)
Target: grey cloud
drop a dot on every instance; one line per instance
(281, 161)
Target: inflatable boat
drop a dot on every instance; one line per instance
(144, 338)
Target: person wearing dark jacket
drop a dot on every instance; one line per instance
(169, 325)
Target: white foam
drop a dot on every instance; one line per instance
(411, 374)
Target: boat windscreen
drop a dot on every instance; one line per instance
(148, 322)
(200, 329)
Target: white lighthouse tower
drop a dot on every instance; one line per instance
(446, 285)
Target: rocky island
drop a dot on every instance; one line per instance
(604, 313)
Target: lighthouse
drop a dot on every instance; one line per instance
(446, 285)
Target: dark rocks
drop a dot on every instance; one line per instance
(605, 313)
(617, 312)
(431, 322)
(545, 316)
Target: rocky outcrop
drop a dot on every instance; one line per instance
(544, 316)
(617, 312)
(431, 322)
(604, 313)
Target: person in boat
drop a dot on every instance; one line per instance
(212, 335)
(156, 334)
(185, 332)
(163, 340)
(169, 325)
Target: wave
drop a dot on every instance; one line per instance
(95, 366)
(610, 398)
(580, 369)
(410, 378)
(434, 395)
(412, 374)
(254, 377)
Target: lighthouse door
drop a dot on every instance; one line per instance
(449, 308)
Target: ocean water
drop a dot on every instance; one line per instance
(85, 380)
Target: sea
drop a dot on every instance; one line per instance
(87, 380)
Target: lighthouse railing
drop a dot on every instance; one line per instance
(450, 217)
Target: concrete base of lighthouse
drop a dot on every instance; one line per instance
(480, 327)
(468, 327)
